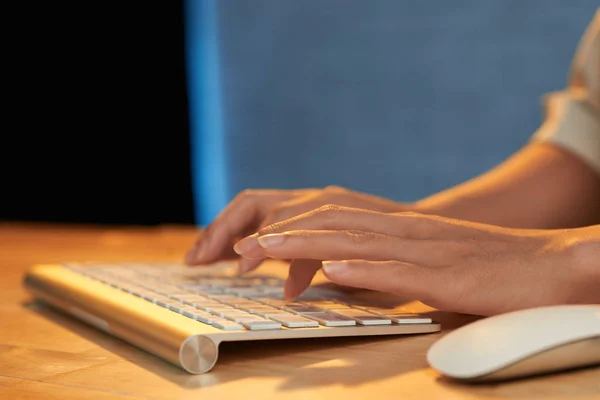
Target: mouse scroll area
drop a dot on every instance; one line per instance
(568, 356)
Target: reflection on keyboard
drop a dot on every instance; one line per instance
(235, 303)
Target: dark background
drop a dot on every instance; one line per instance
(398, 99)
(103, 134)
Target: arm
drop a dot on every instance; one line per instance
(541, 186)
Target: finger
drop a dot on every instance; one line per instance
(405, 279)
(406, 224)
(335, 217)
(227, 254)
(248, 247)
(327, 245)
(240, 217)
(248, 264)
(305, 202)
(301, 273)
(331, 195)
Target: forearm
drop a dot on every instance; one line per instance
(542, 187)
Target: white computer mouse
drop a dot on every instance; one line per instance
(520, 343)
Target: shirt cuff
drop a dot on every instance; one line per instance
(573, 123)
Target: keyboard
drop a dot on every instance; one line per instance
(191, 310)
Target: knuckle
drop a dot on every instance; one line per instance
(279, 213)
(360, 238)
(246, 195)
(273, 227)
(411, 214)
(329, 211)
(415, 225)
(334, 189)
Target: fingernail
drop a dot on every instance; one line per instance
(290, 291)
(273, 239)
(246, 245)
(334, 267)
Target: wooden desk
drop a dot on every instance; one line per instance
(47, 355)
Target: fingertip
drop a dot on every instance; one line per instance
(246, 245)
(290, 291)
(248, 264)
(190, 257)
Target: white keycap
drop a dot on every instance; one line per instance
(260, 325)
(329, 319)
(294, 321)
(302, 309)
(407, 318)
(363, 317)
(227, 325)
(268, 313)
(239, 318)
(326, 305)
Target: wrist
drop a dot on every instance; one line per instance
(583, 257)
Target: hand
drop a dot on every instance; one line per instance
(448, 264)
(254, 209)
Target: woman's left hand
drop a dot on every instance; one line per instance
(448, 264)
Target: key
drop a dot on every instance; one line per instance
(223, 298)
(261, 325)
(221, 311)
(257, 308)
(160, 300)
(205, 304)
(175, 306)
(327, 305)
(329, 319)
(269, 313)
(250, 291)
(293, 321)
(168, 290)
(380, 310)
(184, 308)
(241, 301)
(363, 317)
(408, 318)
(239, 318)
(302, 309)
(201, 316)
(187, 297)
(144, 294)
(227, 325)
(273, 302)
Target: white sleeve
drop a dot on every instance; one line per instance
(573, 115)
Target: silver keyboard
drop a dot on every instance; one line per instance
(229, 302)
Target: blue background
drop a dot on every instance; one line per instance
(395, 98)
